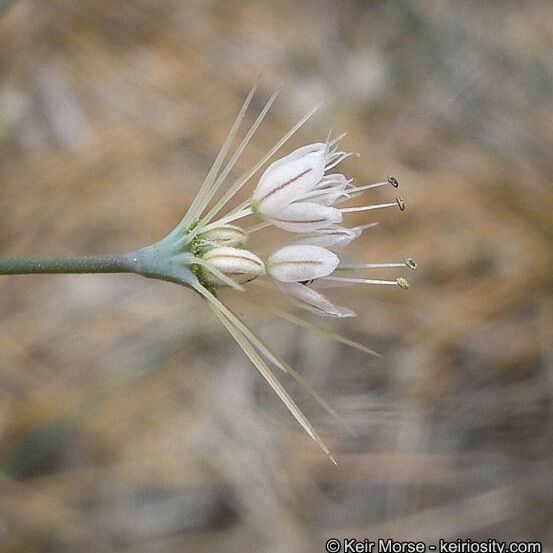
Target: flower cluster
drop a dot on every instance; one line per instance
(300, 194)
(297, 194)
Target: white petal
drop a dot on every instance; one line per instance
(340, 271)
(305, 217)
(331, 237)
(317, 147)
(298, 263)
(313, 301)
(326, 197)
(335, 181)
(330, 189)
(288, 179)
(241, 265)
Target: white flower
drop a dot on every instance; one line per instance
(235, 264)
(288, 179)
(297, 178)
(299, 263)
(295, 195)
(300, 267)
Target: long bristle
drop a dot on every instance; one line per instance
(266, 372)
(245, 177)
(205, 190)
(279, 362)
(232, 162)
(320, 330)
(230, 321)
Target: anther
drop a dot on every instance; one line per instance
(402, 283)
(411, 263)
(401, 203)
(393, 181)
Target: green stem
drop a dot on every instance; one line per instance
(164, 260)
(68, 264)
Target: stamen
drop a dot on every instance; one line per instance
(411, 263)
(371, 265)
(357, 189)
(393, 181)
(354, 191)
(396, 282)
(369, 207)
(375, 265)
(402, 283)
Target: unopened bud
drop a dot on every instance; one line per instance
(238, 264)
(224, 235)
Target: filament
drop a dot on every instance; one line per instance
(365, 281)
(400, 202)
(367, 207)
(358, 189)
(407, 263)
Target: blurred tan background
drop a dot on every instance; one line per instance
(129, 420)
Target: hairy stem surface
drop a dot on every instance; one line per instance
(68, 264)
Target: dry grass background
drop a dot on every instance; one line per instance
(130, 422)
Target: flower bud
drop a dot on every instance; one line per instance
(224, 235)
(301, 263)
(288, 179)
(238, 264)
